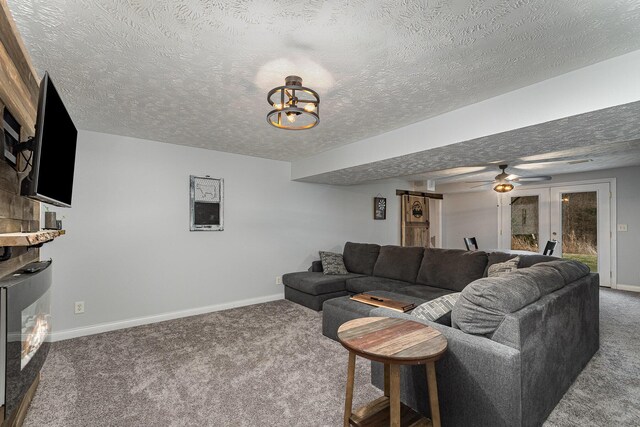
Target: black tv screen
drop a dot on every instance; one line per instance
(54, 151)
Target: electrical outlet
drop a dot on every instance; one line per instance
(622, 227)
(278, 280)
(78, 307)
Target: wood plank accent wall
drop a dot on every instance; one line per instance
(19, 93)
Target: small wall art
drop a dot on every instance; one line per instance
(379, 207)
(206, 203)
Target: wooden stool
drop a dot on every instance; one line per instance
(393, 342)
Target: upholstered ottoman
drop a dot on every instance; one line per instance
(337, 311)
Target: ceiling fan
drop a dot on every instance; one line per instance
(504, 182)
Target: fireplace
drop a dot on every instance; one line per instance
(25, 325)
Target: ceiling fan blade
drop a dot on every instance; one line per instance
(486, 185)
(486, 181)
(539, 178)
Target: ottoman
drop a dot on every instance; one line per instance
(340, 310)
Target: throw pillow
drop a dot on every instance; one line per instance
(503, 268)
(436, 308)
(332, 263)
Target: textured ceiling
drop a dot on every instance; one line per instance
(196, 72)
(610, 138)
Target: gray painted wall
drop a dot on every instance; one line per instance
(472, 214)
(128, 252)
(476, 213)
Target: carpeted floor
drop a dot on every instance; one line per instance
(269, 365)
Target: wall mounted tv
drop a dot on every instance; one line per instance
(54, 150)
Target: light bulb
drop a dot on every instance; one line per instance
(310, 108)
(277, 106)
(291, 117)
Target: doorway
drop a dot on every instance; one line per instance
(577, 216)
(580, 222)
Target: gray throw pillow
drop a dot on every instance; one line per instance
(503, 268)
(332, 263)
(436, 308)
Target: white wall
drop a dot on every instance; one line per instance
(476, 213)
(128, 252)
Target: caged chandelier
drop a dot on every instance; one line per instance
(295, 107)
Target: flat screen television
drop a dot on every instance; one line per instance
(54, 150)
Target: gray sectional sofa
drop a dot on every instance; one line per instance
(516, 343)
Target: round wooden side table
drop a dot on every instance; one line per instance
(393, 342)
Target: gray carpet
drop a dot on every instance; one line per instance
(269, 365)
(607, 391)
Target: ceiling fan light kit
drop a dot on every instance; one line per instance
(295, 107)
(505, 182)
(503, 187)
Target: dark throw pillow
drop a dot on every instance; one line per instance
(332, 263)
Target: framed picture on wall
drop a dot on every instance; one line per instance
(206, 203)
(379, 208)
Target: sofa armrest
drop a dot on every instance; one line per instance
(316, 267)
(557, 336)
(479, 380)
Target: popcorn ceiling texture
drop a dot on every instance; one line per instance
(610, 138)
(185, 71)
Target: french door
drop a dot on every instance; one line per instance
(578, 217)
(581, 223)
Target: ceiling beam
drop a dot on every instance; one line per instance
(598, 86)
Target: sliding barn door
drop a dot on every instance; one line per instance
(415, 221)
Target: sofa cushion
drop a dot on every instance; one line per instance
(451, 268)
(502, 268)
(436, 308)
(529, 260)
(570, 270)
(423, 291)
(332, 263)
(483, 304)
(525, 260)
(397, 262)
(360, 258)
(370, 283)
(316, 283)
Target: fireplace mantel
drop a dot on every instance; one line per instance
(29, 238)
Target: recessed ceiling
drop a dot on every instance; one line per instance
(196, 73)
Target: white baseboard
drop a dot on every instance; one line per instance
(128, 323)
(631, 288)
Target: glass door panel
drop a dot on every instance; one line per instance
(525, 224)
(524, 220)
(580, 228)
(580, 222)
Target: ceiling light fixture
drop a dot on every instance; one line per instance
(502, 181)
(299, 105)
(503, 187)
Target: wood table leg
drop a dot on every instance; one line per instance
(394, 395)
(433, 394)
(348, 400)
(386, 379)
